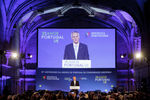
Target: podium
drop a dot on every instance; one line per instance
(76, 63)
(74, 87)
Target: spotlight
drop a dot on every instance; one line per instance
(123, 56)
(30, 56)
(14, 55)
(138, 55)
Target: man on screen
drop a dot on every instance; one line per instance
(76, 50)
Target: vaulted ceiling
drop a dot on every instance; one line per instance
(30, 14)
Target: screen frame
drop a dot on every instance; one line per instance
(79, 28)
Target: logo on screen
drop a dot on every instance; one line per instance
(96, 34)
(55, 36)
(88, 34)
(44, 77)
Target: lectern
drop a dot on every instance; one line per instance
(74, 87)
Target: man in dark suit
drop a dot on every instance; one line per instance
(76, 50)
(74, 83)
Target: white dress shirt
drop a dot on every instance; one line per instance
(76, 48)
(74, 83)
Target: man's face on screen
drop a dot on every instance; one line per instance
(74, 78)
(75, 37)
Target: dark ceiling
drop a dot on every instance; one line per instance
(138, 9)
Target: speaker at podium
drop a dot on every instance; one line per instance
(74, 86)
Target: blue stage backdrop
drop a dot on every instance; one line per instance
(89, 79)
(100, 46)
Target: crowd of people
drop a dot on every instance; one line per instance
(89, 95)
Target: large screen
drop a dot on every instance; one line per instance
(76, 48)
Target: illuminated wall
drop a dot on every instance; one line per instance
(19, 20)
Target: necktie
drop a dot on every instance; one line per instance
(74, 83)
(76, 51)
